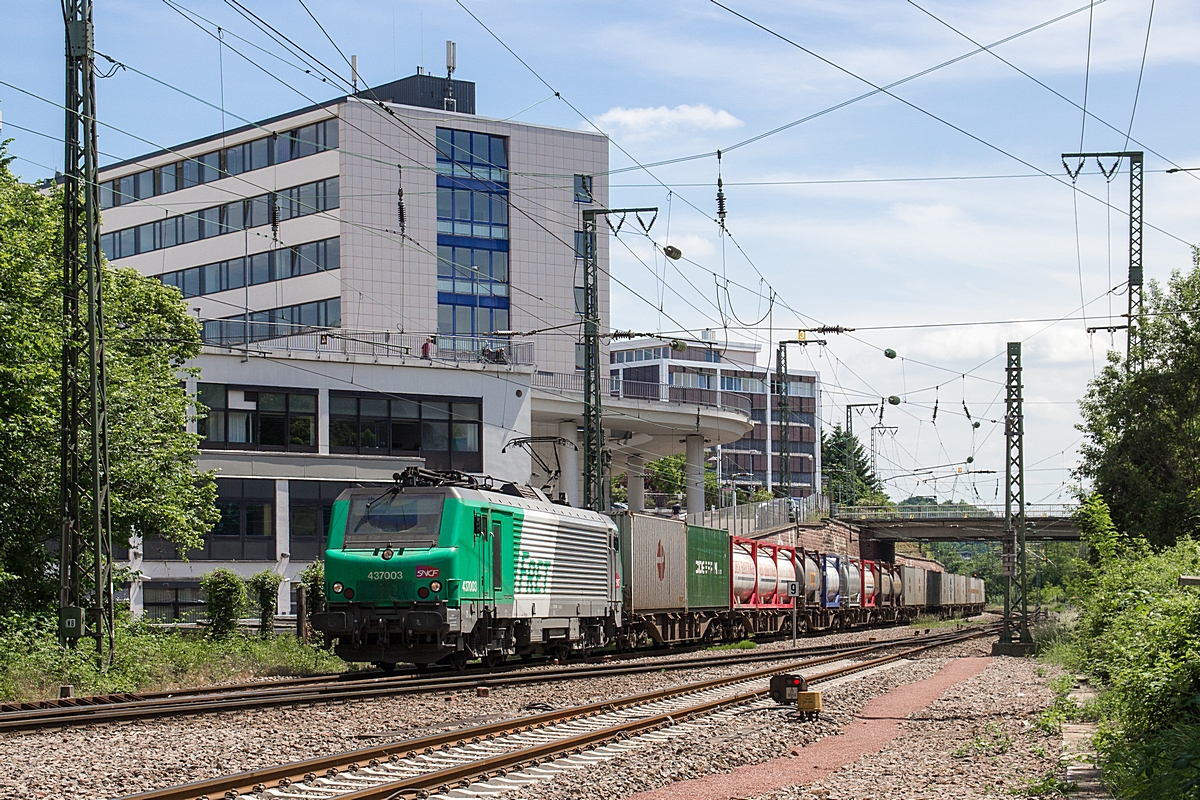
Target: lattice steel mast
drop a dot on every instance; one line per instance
(1015, 637)
(594, 455)
(85, 557)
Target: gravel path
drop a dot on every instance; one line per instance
(124, 758)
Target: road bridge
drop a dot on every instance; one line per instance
(949, 523)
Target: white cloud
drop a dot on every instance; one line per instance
(647, 123)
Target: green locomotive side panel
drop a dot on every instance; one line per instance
(463, 562)
(707, 568)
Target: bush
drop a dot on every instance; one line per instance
(33, 666)
(264, 594)
(313, 579)
(226, 603)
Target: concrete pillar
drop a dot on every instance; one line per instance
(693, 473)
(635, 473)
(136, 595)
(283, 544)
(568, 458)
(323, 421)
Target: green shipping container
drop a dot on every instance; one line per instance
(708, 568)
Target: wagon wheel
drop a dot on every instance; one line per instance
(493, 659)
(458, 661)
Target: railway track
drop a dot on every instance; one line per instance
(119, 708)
(504, 755)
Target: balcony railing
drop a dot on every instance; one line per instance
(614, 386)
(339, 341)
(964, 511)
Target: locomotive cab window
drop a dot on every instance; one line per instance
(393, 520)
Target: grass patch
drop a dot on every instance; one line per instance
(744, 644)
(33, 666)
(1046, 785)
(1063, 709)
(992, 742)
(928, 621)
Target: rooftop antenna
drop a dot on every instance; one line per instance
(354, 72)
(451, 63)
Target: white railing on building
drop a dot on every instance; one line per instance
(440, 348)
(652, 392)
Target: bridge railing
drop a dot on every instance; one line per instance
(931, 512)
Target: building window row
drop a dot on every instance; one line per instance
(247, 157)
(274, 265)
(297, 201)
(641, 354)
(273, 323)
(796, 388)
(736, 383)
(466, 154)
(462, 319)
(473, 271)
(693, 380)
(447, 432)
(254, 419)
(480, 213)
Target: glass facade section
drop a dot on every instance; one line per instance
(472, 224)
(446, 432)
(256, 419)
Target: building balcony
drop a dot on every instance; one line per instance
(335, 342)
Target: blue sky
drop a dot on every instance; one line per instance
(671, 79)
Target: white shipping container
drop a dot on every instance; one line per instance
(912, 579)
(654, 558)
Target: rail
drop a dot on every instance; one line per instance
(435, 349)
(932, 512)
(442, 762)
(614, 386)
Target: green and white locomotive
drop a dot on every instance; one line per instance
(441, 567)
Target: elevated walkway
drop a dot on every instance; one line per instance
(1047, 522)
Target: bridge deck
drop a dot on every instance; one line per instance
(951, 523)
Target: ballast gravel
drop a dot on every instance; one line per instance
(978, 739)
(116, 759)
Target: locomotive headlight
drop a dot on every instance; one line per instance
(436, 586)
(337, 587)
(388, 554)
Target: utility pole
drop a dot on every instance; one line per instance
(85, 601)
(594, 455)
(1134, 316)
(785, 410)
(1015, 637)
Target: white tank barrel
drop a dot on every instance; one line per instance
(833, 583)
(744, 574)
(768, 575)
(812, 580)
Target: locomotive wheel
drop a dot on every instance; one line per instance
(493, 659)
(458, 661)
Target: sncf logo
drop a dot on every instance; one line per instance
(661, 561)
(428, 572)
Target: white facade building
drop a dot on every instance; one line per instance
(360, 268)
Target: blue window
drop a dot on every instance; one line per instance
(467, 210)
(468, 154)
(274, 323)
(581, 244)
(583, 189)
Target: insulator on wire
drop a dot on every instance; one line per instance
(400, 201)
(274, 216)
(720, 194)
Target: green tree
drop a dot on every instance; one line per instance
(156, 488)
(1141, 426)
(263, 589)
(226, 601)
(667, 476)
(858, 485)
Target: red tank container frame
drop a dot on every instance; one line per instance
(761, 571)
(870, 583)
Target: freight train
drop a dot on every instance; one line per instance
(441, 567)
